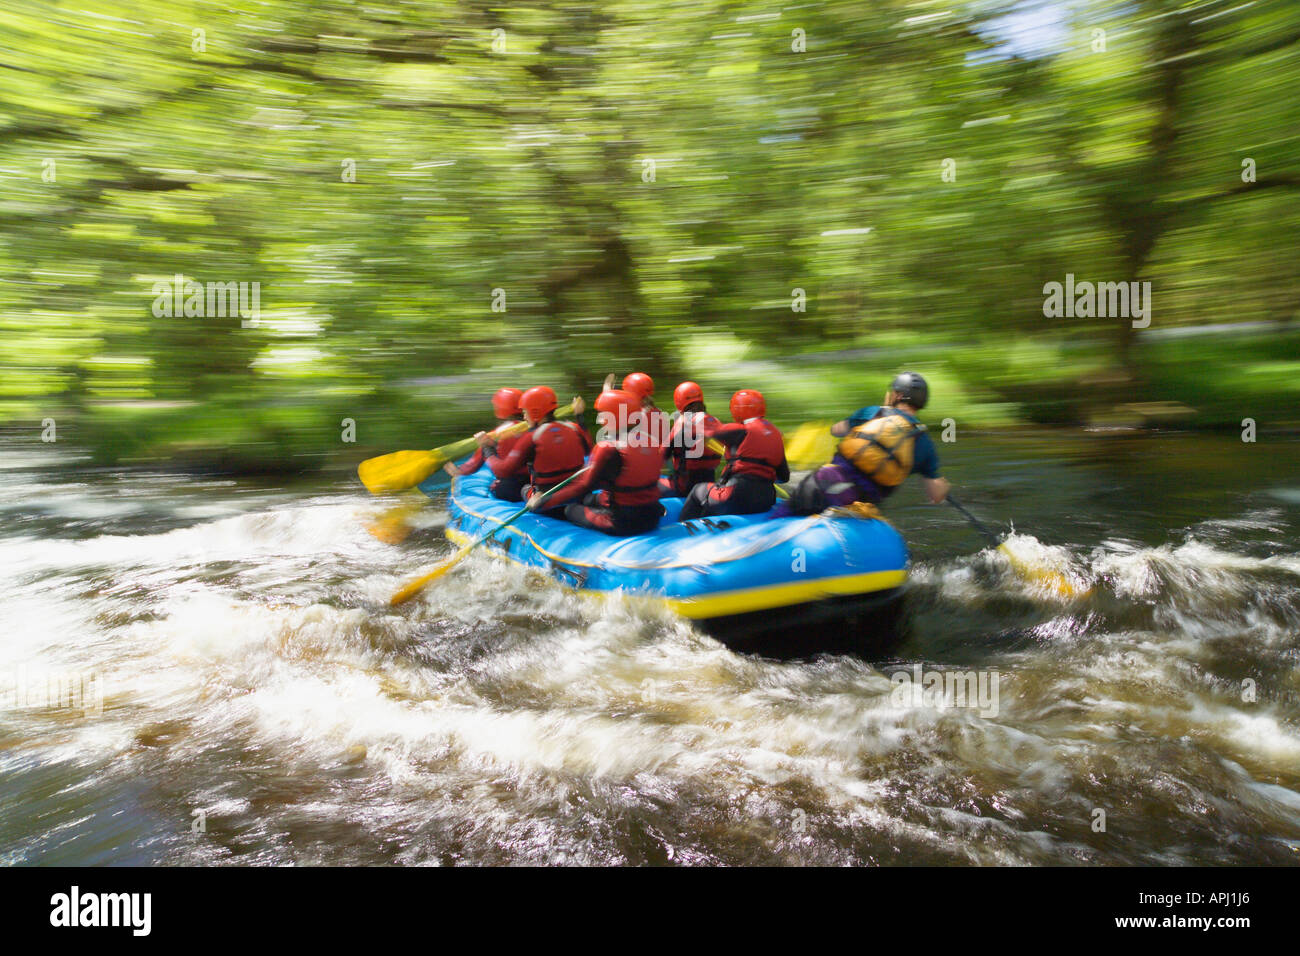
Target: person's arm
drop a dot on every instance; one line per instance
(514, 462)
(604, 465)
(729, 435)
(783, 472)
(580, 412)
(926, 466)
(474, 463)
(863, 414)
(709, 427)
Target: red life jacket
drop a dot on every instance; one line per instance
(637, 481)
(559, 449)
(697, 456)
(759, 454)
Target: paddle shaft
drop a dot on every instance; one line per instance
(413, 588)
(542, 496)
(525, 509)
(975, 522)
(1044, 577)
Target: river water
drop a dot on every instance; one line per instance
(205, 671)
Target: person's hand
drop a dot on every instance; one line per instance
(534, 502)
(451, 469)
(937, 489)
(579, 406)
(484, 439)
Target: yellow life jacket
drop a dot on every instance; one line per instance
(883, 448)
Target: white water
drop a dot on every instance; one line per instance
(252, 671)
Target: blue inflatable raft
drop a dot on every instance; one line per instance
(773, 585)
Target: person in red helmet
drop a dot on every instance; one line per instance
(657, 424)
(639, 384)
(690, 460)
(505, 405)
(619, 494)
(755, 462)
(546, 454)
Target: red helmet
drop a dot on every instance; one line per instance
(538, 402)
(748, 403)
(622, 404)
(505, 403)
(639, 384)
(686, 393)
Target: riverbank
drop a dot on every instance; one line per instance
(1198, 382)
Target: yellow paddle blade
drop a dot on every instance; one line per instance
(393, 525)
(398, 471)
(412, 588)
(811, 446)
(1053, 581)
(406, 469)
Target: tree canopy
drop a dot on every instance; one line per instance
(554, 190)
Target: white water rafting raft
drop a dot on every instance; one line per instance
(787, 585)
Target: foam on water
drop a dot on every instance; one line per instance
(253, 670)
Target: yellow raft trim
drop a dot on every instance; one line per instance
(748, 599)
(783, 595)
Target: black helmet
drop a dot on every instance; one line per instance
(911, 388)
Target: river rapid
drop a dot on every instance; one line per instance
(195, 670)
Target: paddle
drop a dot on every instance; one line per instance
(406, 469)
(1045, 576)
(412, 588)
(393, 525)
(810, 446)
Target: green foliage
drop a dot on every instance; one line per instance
(647, 183)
